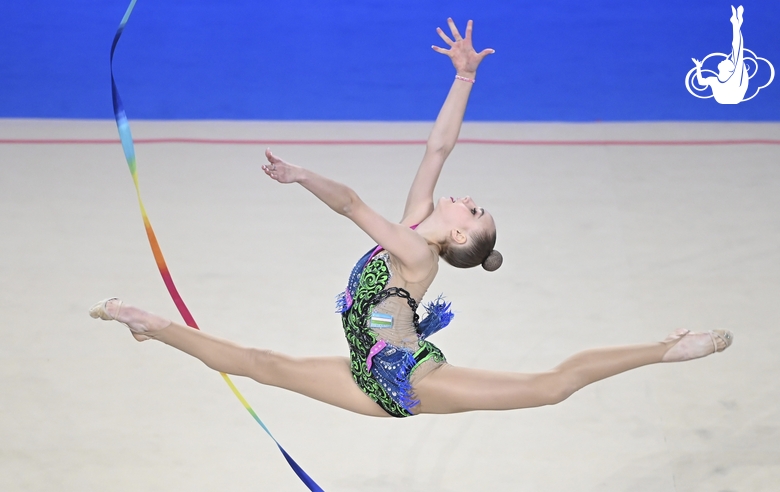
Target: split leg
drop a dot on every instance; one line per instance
(451, 389)
(737, 43)
(327, 379)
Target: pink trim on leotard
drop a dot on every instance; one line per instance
(378, 346)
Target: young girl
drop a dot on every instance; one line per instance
(731, 84)
(392, 369)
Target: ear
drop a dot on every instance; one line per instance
(458, 236)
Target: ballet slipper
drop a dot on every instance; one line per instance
(724, 335)
(100, 311)
(682, 351)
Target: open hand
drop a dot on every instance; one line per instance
(464, 58)
(280, 171)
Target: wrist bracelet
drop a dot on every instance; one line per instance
(465, 79)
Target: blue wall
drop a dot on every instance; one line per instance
(556, 60)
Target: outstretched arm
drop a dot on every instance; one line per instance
(701, 80)
(407, 246)
(441, 141)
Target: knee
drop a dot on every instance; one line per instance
(260, 363)
(266, 366)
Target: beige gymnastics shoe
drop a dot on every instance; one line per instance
(690, 345)
(100, 311)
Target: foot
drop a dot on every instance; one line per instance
(687, 345)
(142, 324)
(736, 16)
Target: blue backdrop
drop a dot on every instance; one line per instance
(556, 60)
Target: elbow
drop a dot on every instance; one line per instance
(442, 150)
(351, 204)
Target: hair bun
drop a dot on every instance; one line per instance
(493, 261)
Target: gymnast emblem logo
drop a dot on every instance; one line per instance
(729, 85)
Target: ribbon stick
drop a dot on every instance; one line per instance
(127, 145)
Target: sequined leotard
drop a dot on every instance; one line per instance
(387, 344)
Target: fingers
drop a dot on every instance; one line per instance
(270, 170)
(487, 51)
(271, 157)
(269, 173)
(454, 29)
(444, 37)
(459, 44)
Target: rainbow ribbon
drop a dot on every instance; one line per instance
(127, 145)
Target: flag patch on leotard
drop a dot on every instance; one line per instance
(381, 320)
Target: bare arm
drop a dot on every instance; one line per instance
(444, 134)
(701, 80)
(406, 245)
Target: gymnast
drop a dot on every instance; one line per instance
(731, 84)
(393, 370)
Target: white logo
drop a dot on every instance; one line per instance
(730, 83)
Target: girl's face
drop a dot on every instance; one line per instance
(465, 215)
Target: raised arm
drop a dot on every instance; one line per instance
(407, 246)
(441, 141)
(702, 81)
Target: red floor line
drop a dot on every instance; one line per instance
(482, 141)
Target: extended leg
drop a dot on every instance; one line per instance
(737, 44)
(451, 389)
(327, 379)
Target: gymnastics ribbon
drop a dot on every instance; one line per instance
(127, 145)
